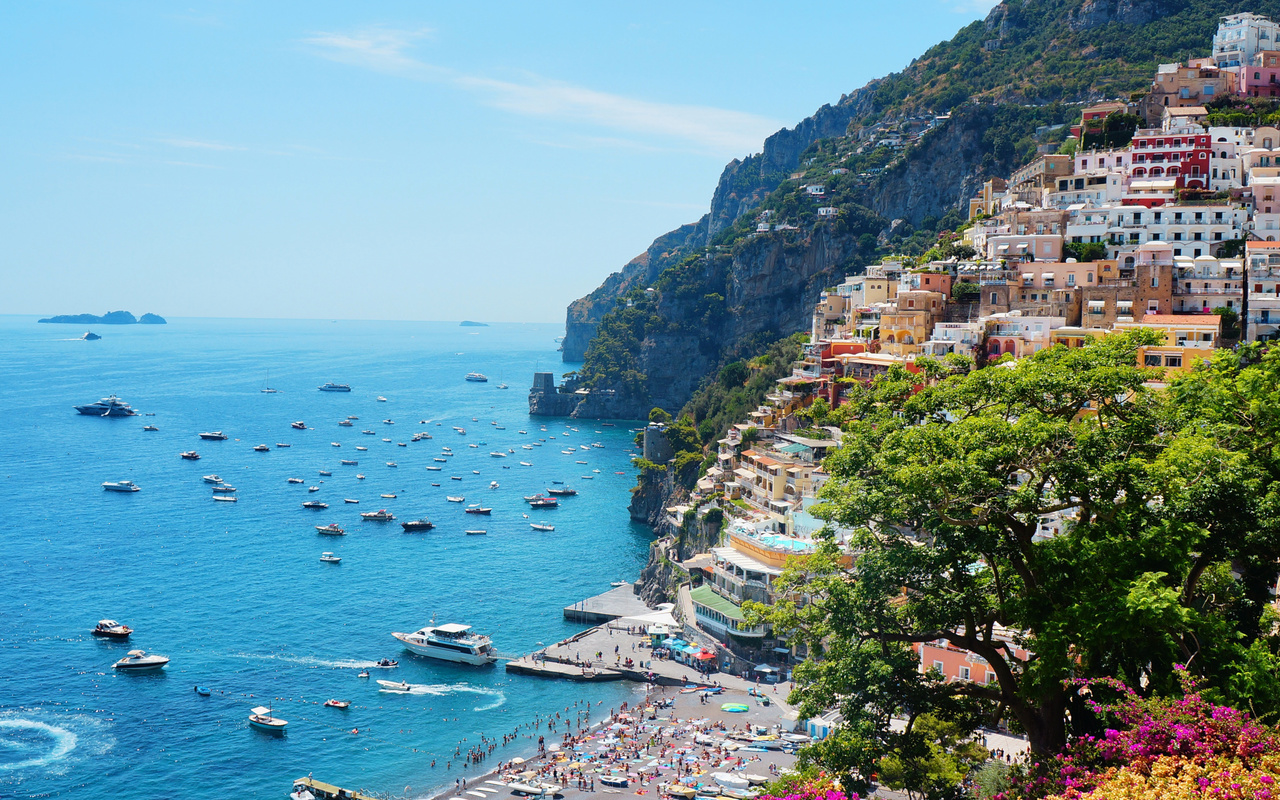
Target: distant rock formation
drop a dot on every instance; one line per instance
(109, 318)
(466, 323)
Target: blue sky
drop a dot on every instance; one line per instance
(392, 160)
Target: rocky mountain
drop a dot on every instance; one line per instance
(915, 145)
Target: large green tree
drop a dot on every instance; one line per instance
(1165, 502)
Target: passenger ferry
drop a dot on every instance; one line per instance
(450, 642)
(476, 377)
(335, 387)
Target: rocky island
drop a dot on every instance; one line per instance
(466, 323)
(109, 318)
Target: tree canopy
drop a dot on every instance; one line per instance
(1056, 517)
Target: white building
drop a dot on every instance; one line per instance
(1263, 323)
(1192, 230)
(1240, 36)
(1204, 283)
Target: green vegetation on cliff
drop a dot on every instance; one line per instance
(739, 387)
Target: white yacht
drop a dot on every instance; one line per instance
(450, 642)
(120, 486)
(139, 661)
(212, 479)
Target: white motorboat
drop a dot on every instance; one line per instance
(455, 499)
(538, 526)
(381, 515)
(496, 454)
(332, 529)
(330, 558)
(349, 500)
(225, 498)
(730, 781)
(391, 463)
(476, 377)
(449, 642)
(296, 480)
(139, 661)
(121, 486)
(381, 399)
(212, 479)
(262, 720)
(283, 444)
(346, 423)
(395, 686)
(110, 629)
(361, 447)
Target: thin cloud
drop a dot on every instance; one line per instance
(708, 128)
(197, 144)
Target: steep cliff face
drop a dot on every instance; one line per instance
(743, 184)
(585, 313)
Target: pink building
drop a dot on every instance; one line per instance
(1181, 154)
(1262, 77)
(955, 664)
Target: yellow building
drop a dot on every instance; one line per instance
(1188, 339)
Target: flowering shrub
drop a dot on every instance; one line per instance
(1164, 747)
(821, 788)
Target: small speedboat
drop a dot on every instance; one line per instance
(359, 477)
(213, 436)
(381, 515)
(336, 444)
(493, 484)
(538, 526)
(120, 486)
(479, 510)
(337, 703)
(224, 489)
(388, 496)
(330, 558)
(346, 423)
(349, 500)
(283, 444)
(315, 505)
(433, 469)
(313, 488)
(381, 399)
(475, 533)
(455, 499)
(110, 629)
(205, 691)
(212, 479)
(139, 661)
(299, 425)
(190, 455)
(262, 448)
(361, 447)
(387, 422)
(225, 498)
(262, 720)
(423, 524)
(395, 686)
(391, 463)
(331, 529)
(386, 663)
(349, 463)
(150, 428)
(296, 480)
(363, 674)
(325, 473)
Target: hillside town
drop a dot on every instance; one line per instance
(1174, 232)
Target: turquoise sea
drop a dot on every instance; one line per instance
(235, 594)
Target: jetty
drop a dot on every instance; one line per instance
(529, 665)
(616, 603)
(327, 791)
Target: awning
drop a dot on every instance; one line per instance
(1047, 275)
(705, 656)
(1028, 276)
(765, 668)
(1004, 248)
(1124, 304)
(781, 650)
(1022, 245)
(1097, 303)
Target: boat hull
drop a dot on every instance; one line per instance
(111, 634)
(152, 667)
(430, 651)
(97, 411)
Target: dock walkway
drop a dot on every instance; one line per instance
(526, 665)
(616, 603)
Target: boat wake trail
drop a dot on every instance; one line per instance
(310, 661)
(442, 689)
(31, 739)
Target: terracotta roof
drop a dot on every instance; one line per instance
(1181, 319)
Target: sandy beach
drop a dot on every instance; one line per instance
(671, 743)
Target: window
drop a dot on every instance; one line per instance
(1071, 279)
(1151, 360)
(964, 673)
(1155, 281)
(993, 298)
(991, 677)
(1173, 361)
(938, 665)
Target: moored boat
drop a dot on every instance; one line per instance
(423, 524)
(190, 455)
(139, 661)
(381, 515)
(212, 479)
(107, 407)
(315, 504)
(538, 526)
(331, 529)
(261, 719)
(121, 486)
(335, 387)
(110, 629)
(330, 558)
(299, 425)
(213, 436)
(479, 510)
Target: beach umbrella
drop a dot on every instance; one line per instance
(517, 760)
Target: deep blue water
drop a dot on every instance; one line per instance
(235, 593)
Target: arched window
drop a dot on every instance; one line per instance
(1128, 261)
(1172, 171)
(889, 339)
(908, 339)
(1157, 172)
(995, 347)
(1139, 172)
